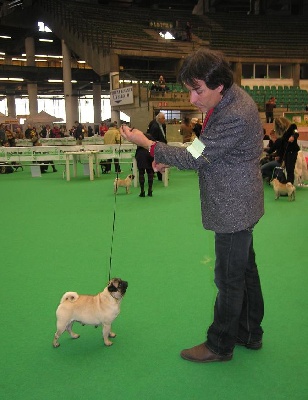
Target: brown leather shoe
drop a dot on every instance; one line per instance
(202, 354)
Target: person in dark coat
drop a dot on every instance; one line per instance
(196, 126)
(157, 128)
(273, 159)
(78, 133)
(269, 109)
(290, 147)
(90, 131)
(158, 131)
(144, 165)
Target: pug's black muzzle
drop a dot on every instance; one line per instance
(121, 287)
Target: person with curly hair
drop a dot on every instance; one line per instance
(226, 157)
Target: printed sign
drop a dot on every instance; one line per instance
(121, 96)
(161, 24)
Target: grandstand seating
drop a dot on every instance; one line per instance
(291, 41)
(135, 29)
(289, 97)
(132, 33)
(95, 30)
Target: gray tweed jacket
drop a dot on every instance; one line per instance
(231, 187)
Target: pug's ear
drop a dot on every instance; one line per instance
(112, 288)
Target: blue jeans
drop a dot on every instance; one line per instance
(268, 168)
(239, 307)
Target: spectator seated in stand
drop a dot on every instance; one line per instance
(160, 86)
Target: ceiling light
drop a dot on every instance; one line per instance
(5, 37)
(42, 55)
(46, 40)
(43, 28)
(166, 35)
(12, 79)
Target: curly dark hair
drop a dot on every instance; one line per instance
(208, 66)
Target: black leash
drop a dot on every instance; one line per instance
(114, 218)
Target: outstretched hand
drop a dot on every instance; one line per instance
(133, 135)
(159, 167)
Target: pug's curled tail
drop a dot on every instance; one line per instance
(70, 296)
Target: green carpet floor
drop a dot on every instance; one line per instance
(56, 237)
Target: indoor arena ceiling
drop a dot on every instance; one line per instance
(21, 24)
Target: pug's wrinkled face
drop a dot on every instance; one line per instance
(117, 287)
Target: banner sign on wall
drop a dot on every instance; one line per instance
(300, 118)
(122, 96)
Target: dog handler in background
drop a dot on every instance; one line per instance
(226, 157)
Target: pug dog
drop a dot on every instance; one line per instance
(127, 182)
(100, 309)
(283, 189)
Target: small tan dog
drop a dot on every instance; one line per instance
(127, 182)
(283, 189)
(101, 309)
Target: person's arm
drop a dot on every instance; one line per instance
(275, 146)
(291, 134)
(164, 155)
(133, 135)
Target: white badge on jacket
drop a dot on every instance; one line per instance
(196, 148)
